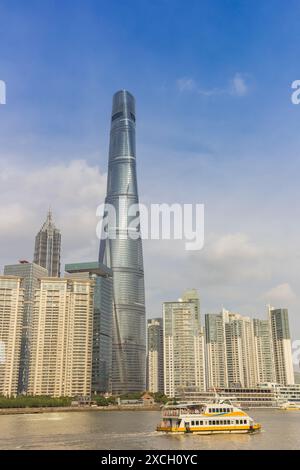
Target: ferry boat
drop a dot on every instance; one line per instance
(206, 418)
(289, 406)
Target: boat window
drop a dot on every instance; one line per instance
(193, 423)
(214, 423)
(201, 423)
(245, 421)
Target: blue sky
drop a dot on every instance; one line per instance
(215, 125)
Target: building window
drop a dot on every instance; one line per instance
(116, 116)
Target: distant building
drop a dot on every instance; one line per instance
(47, 247)
(282, 349)
(216, 364)
(184, 360)
(30, 273)
(155, 355)
(267, 395)
(264, 360)
(11, 318)
(240, 350)
(62, 334)
(148, 399)
(297, 378)
(191, 295)
(102, 321)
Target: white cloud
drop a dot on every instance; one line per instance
(237, 86)
(281, 295)
(234, 245)
(73, 190)
(186, 84)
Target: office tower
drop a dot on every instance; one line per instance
(184, 361)
(155, 356)
(282, 350)
(216, 353)
(240, 350)
(47, 247)
(30, 273)
(11, 317)
(102, 321)
(122, 252)
(264, 361)
(62, 334)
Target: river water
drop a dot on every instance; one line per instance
(113, 430)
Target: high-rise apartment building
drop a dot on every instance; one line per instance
(264, 360)
(47, 247)
(102, 321)
(62, 334)
(155, 355)
(281, 341)
(216, 355)
(11, 318)
(191, 295)
(30, 274)
(121, 250)
(240, 350)
(184, 360)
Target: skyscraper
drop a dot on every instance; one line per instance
(216, 351)
(155, 355)
(264, 360)
(281, 340)
(30, 274)
(102, 321)
(11, 317)
(184, 357)
(123, 253)
(62, 337)
(47, 247)
(240, 350)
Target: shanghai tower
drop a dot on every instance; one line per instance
(123, 252)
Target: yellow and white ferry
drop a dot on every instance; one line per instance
(206, 418)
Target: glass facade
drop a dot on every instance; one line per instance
(124, 254)
(102, 335)
(47, 247)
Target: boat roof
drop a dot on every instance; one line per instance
(195, 404)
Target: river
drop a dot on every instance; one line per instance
(113, 430)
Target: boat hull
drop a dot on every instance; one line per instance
(207, 431)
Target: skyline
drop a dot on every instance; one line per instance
(223, 129)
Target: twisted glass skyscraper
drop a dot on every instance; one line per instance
(123, 254)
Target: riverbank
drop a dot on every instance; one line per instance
(59, 409)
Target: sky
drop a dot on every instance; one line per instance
(215, 125)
